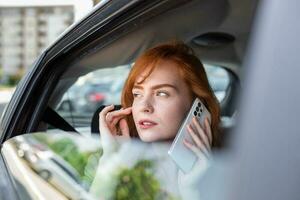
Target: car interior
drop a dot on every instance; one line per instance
(263, 162)
(217, 31)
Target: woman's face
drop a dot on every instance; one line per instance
(160, 102)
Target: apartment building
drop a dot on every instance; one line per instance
(28, 27)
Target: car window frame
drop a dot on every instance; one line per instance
(96, 31)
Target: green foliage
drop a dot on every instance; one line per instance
(137, 183)
(11, 80)
(68, 150)
(85, 163)
(1, 72)
(14, 79)
(42, 138)
(91, 166)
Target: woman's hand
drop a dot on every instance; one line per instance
(201, 147)
(111, 124)
(202, 138)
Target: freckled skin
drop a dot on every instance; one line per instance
(164, 98)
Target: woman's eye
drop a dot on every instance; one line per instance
(136, 94)
(162, 94)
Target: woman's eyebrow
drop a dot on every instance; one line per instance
(164, 85)
(138, 87)
(156, 86)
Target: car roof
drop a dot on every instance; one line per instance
(218, 31)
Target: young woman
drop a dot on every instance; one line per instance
(157, 95)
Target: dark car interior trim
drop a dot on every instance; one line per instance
(52, 118)
(20, 96)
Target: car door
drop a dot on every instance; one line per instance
(26, 110)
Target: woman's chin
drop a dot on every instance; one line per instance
(152, 137)
(146, 138)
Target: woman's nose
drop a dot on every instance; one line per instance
(146, 106)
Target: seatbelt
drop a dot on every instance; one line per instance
(54, 119)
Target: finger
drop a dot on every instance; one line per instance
(195, 149)
(208, 130)
(197, 140)
(105, 132)
(201, 133)
(117, 113)
(124, 128)
(103, 113)
(113, 118)
(117, 117)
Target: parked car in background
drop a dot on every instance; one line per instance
(85, 98)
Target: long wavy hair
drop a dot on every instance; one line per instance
(190, 69)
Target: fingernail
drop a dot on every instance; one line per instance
(186, 142)
(188, 126)
(189, 129)
(207, 121)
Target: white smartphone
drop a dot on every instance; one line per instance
(182, 156)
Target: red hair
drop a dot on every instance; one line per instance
(190, 69)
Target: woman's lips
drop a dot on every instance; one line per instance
(145, 124)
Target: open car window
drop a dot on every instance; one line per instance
(219, 80)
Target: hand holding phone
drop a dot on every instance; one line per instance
(182, 156)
